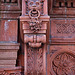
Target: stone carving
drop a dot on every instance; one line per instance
(65, 28)
(35, 40)
(30, 62)
(40, 60)
(34, 14)
(35, 5)
(37, 65)
(64, 64)
(35, 25)
(52, 52)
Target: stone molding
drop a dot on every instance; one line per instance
(8, 54)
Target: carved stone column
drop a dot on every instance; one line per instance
(34, 26)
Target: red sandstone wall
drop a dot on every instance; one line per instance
(61, 48)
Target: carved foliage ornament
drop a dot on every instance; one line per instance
(34, 7)
(37, 55)
(64, 64)
(35, 25)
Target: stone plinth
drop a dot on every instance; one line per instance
(8, 54)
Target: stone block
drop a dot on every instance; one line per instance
(7, 62)
(8, 30)
(8, 54)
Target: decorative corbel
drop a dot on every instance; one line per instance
(34, 34)
(35, 19)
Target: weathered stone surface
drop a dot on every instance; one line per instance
(8, 30)
(5, 62)
(7, 54)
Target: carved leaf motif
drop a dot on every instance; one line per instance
(64, 64)
(37, 65)
(40, 60)
(30, 57)
(35, 25)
